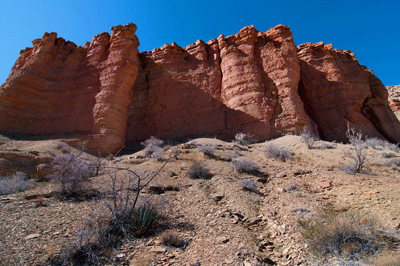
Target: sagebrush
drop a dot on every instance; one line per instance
(17, 182)
(346, 235)
(278, 151)
(73, 173)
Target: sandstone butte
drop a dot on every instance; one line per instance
(108, 94)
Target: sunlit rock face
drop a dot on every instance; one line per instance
(106, 95)
(58, 88)
(245, 82)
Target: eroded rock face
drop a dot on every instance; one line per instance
(260, 83)
(242, 83)
(394, 99)
(337, 91)
(58, 88)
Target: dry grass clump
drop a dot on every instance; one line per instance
(278, 151)
(245, 166)
(172, 239)
(347, 236)
(18, 182)
(199, 171)
(207, 149)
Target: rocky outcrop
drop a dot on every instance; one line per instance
(58, 88)
(337, 91)
(394, 99)
(260, 83)
(242, 83)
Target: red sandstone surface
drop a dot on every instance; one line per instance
(253, 82)
(394, 99)
(58, 88)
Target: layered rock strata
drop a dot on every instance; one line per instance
(242, 83)
(58, 88)
(260, 83)
(394, 99)
(337, 91)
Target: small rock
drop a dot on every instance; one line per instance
(229, 261)
(120, 256)
(31, 236)
(326, 184)
(223, 240)
(216, 197)
(247, 264)
(302, 172)
(255, 221)
(158, 250)
(197, 263)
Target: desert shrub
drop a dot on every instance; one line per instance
(395, 161)
(207, 149)
(278, 151)
(245, 166)
(199, 171)
(308, 137)
(329, 145)
(116, 216)
(345, 235)
(385, 154)
(249, 185)
(152, 147)
(375, 143)
(18, 182)
(144, 220)
(72, 173)
(392, 146)
(244, 139)
(172, 239)
(358, 155)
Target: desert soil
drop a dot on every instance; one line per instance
(221, 222)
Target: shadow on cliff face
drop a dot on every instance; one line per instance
(335, 104)
(185, 111)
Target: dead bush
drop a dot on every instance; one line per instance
(358, 154)
(73, 173)
(244, 139)
(348, 236)
(199, 171)
(245, 166)
(152, 147)
(116, 216)
(308, 137)
(207, 149)
(18, 182)
(172, 239)
(278, 151)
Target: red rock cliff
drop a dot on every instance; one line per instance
(242, 83)
(253, 82)
(337, 91)
(59, 88)
(394, 99)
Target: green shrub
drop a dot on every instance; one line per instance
(144, 220)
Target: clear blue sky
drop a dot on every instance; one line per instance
(370, 29)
